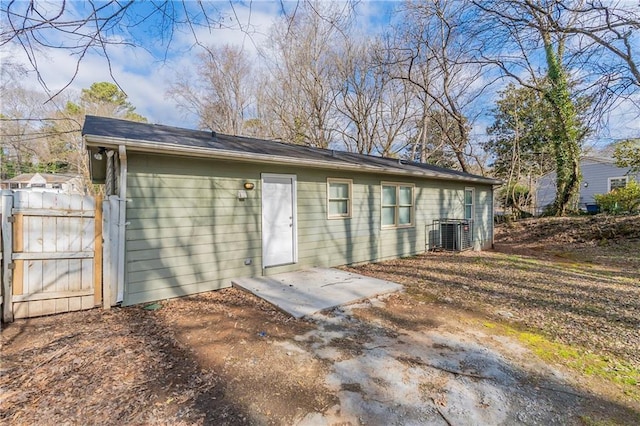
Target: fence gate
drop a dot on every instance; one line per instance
(52, 247)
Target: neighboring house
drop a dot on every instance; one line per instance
(203, 208)
(599, 176)
(45, 182)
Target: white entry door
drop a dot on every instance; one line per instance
(279, 241)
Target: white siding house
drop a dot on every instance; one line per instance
(46, 182)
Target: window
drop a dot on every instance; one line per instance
(617, 182)
(397, 205)
(469, 210)
(338, 198)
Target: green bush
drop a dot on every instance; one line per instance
(514, 196)
(620, 200)
(517, 198)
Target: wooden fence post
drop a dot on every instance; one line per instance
(18, 247)
(97, 251)
(1, 274)
(107, 279)
(7, 254)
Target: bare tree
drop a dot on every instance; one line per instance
(600, 44)
(301, 93)
(65, 142)
(63, 126)
(607, 38)
(377, 109)
(22, 128)
(360, 84)
(82, 27)
(437, 52)
(398, 111)
(222, 91)
(531, 29)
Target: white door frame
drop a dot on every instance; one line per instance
(294, 215)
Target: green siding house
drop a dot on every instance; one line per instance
(194, 209)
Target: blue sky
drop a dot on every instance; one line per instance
(145, 71)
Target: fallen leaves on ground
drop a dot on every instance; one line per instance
(553, 274)
(225, 358)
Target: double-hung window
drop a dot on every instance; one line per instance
(469, 207)
(338, 198)
(397, 205)
(617, 182)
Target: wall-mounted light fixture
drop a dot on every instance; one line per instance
(99, 155)
(586, 184)
(249, 186)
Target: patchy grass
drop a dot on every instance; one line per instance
(596, 307)
(620, 372)
(590, 421)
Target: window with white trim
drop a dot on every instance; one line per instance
(469, 205)
(618, 182)
(338, 198)
(397, 205)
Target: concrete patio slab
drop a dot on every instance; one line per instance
(313, 290)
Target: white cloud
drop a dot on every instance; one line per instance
(58, 68)
(373, 17)
(143, 77)
(245, 26)
(146, 78)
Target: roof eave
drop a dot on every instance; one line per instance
(153, 147)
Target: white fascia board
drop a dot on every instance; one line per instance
(155, 148)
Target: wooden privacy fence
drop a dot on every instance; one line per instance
(51, 253)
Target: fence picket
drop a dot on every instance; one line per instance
(55, 243)
(7, 248)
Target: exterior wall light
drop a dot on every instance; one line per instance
(249, 186)
(98, 155)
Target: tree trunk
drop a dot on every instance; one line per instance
(565, 131)
(425, 136)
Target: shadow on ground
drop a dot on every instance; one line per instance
(228, 358)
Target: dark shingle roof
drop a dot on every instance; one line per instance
(161, 135)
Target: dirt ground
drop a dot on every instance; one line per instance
(449, 350)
